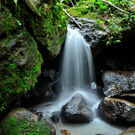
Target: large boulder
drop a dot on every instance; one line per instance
(116, 83)
(47, 24)
(22, 121)
(117, 110)
(20, 60)
(76, 110)
(45, 21)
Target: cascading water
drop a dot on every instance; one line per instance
(77, 66)
(77, 75)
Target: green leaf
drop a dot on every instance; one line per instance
(15, 1)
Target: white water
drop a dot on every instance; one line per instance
(77, 66)
(77, 76)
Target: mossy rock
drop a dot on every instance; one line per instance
(20, 62)
(48, 26)
(21, 121)
(46, 21)
(7, 22)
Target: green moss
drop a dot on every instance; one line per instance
(107, 17)
(49, 29)
(7, 22)
(52, 30)
(15, 126)
(20, 67)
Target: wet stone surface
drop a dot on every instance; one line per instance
(117, 110)
(116, 83)
(76, 110)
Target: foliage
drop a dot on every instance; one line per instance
(106, 16)
(15, 126)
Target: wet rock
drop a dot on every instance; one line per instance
(116, 83)
(55, 117)
(65, 132)
(39, 114)
(22, 117)
(112, 90)
(129, 131)
(76, 110)
(117, 110)
(92, 35)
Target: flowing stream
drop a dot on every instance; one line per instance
(77, 75)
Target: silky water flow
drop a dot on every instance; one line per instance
(77, 77)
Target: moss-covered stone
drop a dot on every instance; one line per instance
(21, 121)
(46, 22)
(20, 63)
(7, 22)
(49, 29)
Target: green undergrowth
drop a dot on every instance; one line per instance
(107, 17)
(15, 126)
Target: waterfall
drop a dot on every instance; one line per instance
(77, 65)
(77, 75)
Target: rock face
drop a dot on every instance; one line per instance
(20, 60)
(117, 110)
(23, 121)
(118, 82)
(76, 110)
